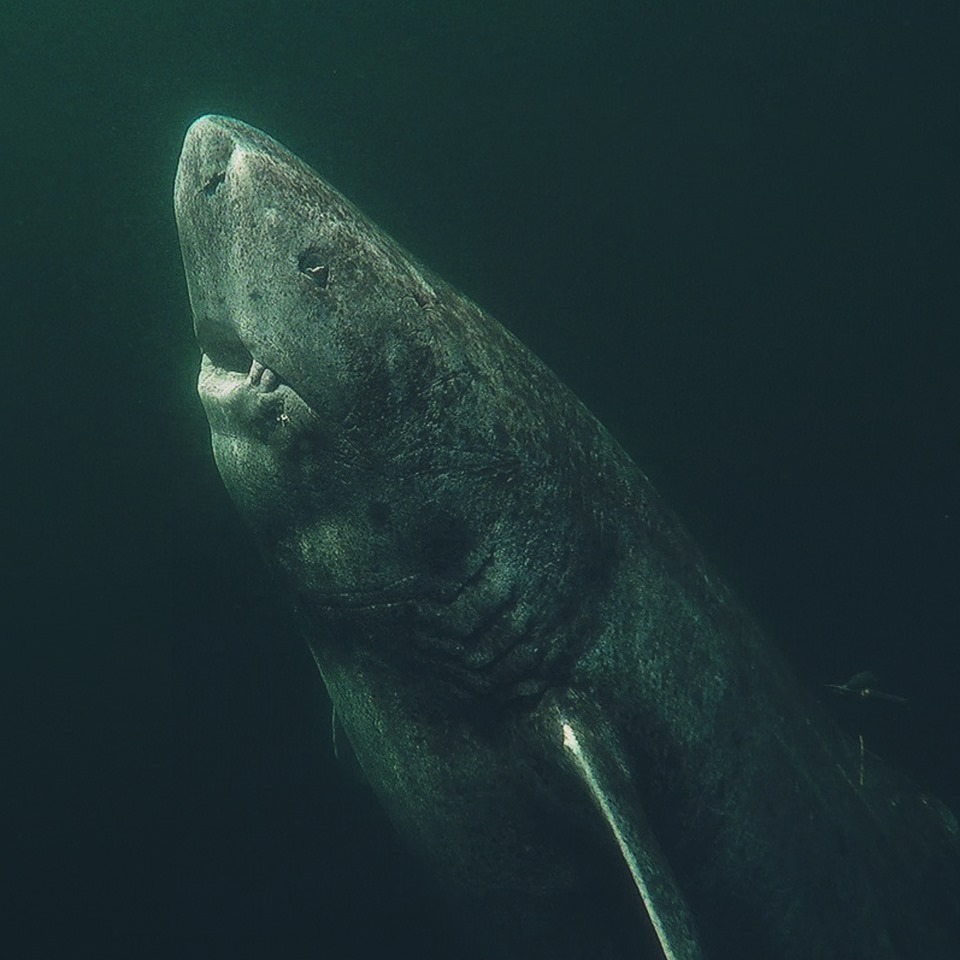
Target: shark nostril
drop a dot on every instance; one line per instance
(311, 265)
(210, 187)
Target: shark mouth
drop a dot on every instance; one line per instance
(219, 384)
(227, 353)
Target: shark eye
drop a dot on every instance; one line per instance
(312, 267)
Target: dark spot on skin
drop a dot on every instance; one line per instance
(379, 514)
(255, 295)
(445, 543)
(311, 265)
(210, 187)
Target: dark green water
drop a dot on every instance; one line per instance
(733, 228)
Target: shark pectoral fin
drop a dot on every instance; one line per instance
(592, 752)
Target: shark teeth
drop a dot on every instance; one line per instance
(262, 376)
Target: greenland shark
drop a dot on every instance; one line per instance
(563, 710)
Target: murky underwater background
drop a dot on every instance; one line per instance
(731, 227)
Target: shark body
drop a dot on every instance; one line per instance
(559, 704)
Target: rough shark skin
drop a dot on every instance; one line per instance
(553, 695)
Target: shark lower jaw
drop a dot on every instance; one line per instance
(223, 386)
(228, 358)
(253, 374)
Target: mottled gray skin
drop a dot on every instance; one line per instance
(466, 548)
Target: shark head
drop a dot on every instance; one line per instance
(280, 267)
(383, 437)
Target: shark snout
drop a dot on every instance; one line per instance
(207, 148)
